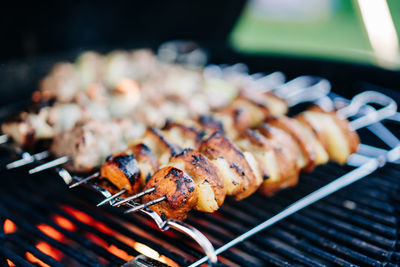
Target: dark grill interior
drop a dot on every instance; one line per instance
(356, 226)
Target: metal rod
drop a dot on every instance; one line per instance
(3, 138)
(138, 195)
(27, 159)
(145, 205)
(111, 197)
(49, 165)
(85, 180)
(349, 178)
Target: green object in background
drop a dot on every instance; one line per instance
(333, 29)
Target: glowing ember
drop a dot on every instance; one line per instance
(9, 227)
(10, 263)
(95, 239)
(104, 228)
(30, 257)
(79, 215)
(64, 223)
(50, 231)
(49, 250)
(83, 217)
(119, 253)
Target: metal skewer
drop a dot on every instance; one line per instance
(360, 172)
(138, 195)
(85, 180)
(145, 205)
(111, 197)
(27, 159)
(49, 165)
(3, 139)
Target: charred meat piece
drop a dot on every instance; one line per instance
(286, 152)
(88, 145)
(178, 188)
(210, 124)
(209, 183)
(238, 177)
(61, 84)
(246, 113)
(182, 135)
(123, 171)
(158, 144)
(148, 163)
(26, 128)
(307, 157)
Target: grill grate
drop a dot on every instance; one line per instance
(356, 226)
(61, 227)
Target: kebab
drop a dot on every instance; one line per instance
(86, 146)
(266, 152)
(115, 86)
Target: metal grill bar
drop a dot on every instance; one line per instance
(19, 241)
(7, 254)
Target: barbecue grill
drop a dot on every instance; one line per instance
(45, 222)
(42, 222)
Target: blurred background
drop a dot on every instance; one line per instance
(332, 29)
(341, 40)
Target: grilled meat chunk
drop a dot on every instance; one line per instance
(148, 163)
(182, 135)
(123, 171)
(284, 171)
(158, 144)
(209, 183)
(178, 188)
(88, 145)
(238, 177)
(246, 113)
(307, 157)
(26, 128)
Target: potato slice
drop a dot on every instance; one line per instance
(335, 134)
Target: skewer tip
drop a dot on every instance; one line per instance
(145, 205)
(133, 197)
(83, 181)
(3, 139)
(111, 198)
(49, 165)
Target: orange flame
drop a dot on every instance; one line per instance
(111, 248)
(50, 231)
(64, 223)
(85, 218)
(142, 248)
(79, 215)
(95, 239)
(10, 263)
(9, 227)
(30, 257)
(49, 250)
